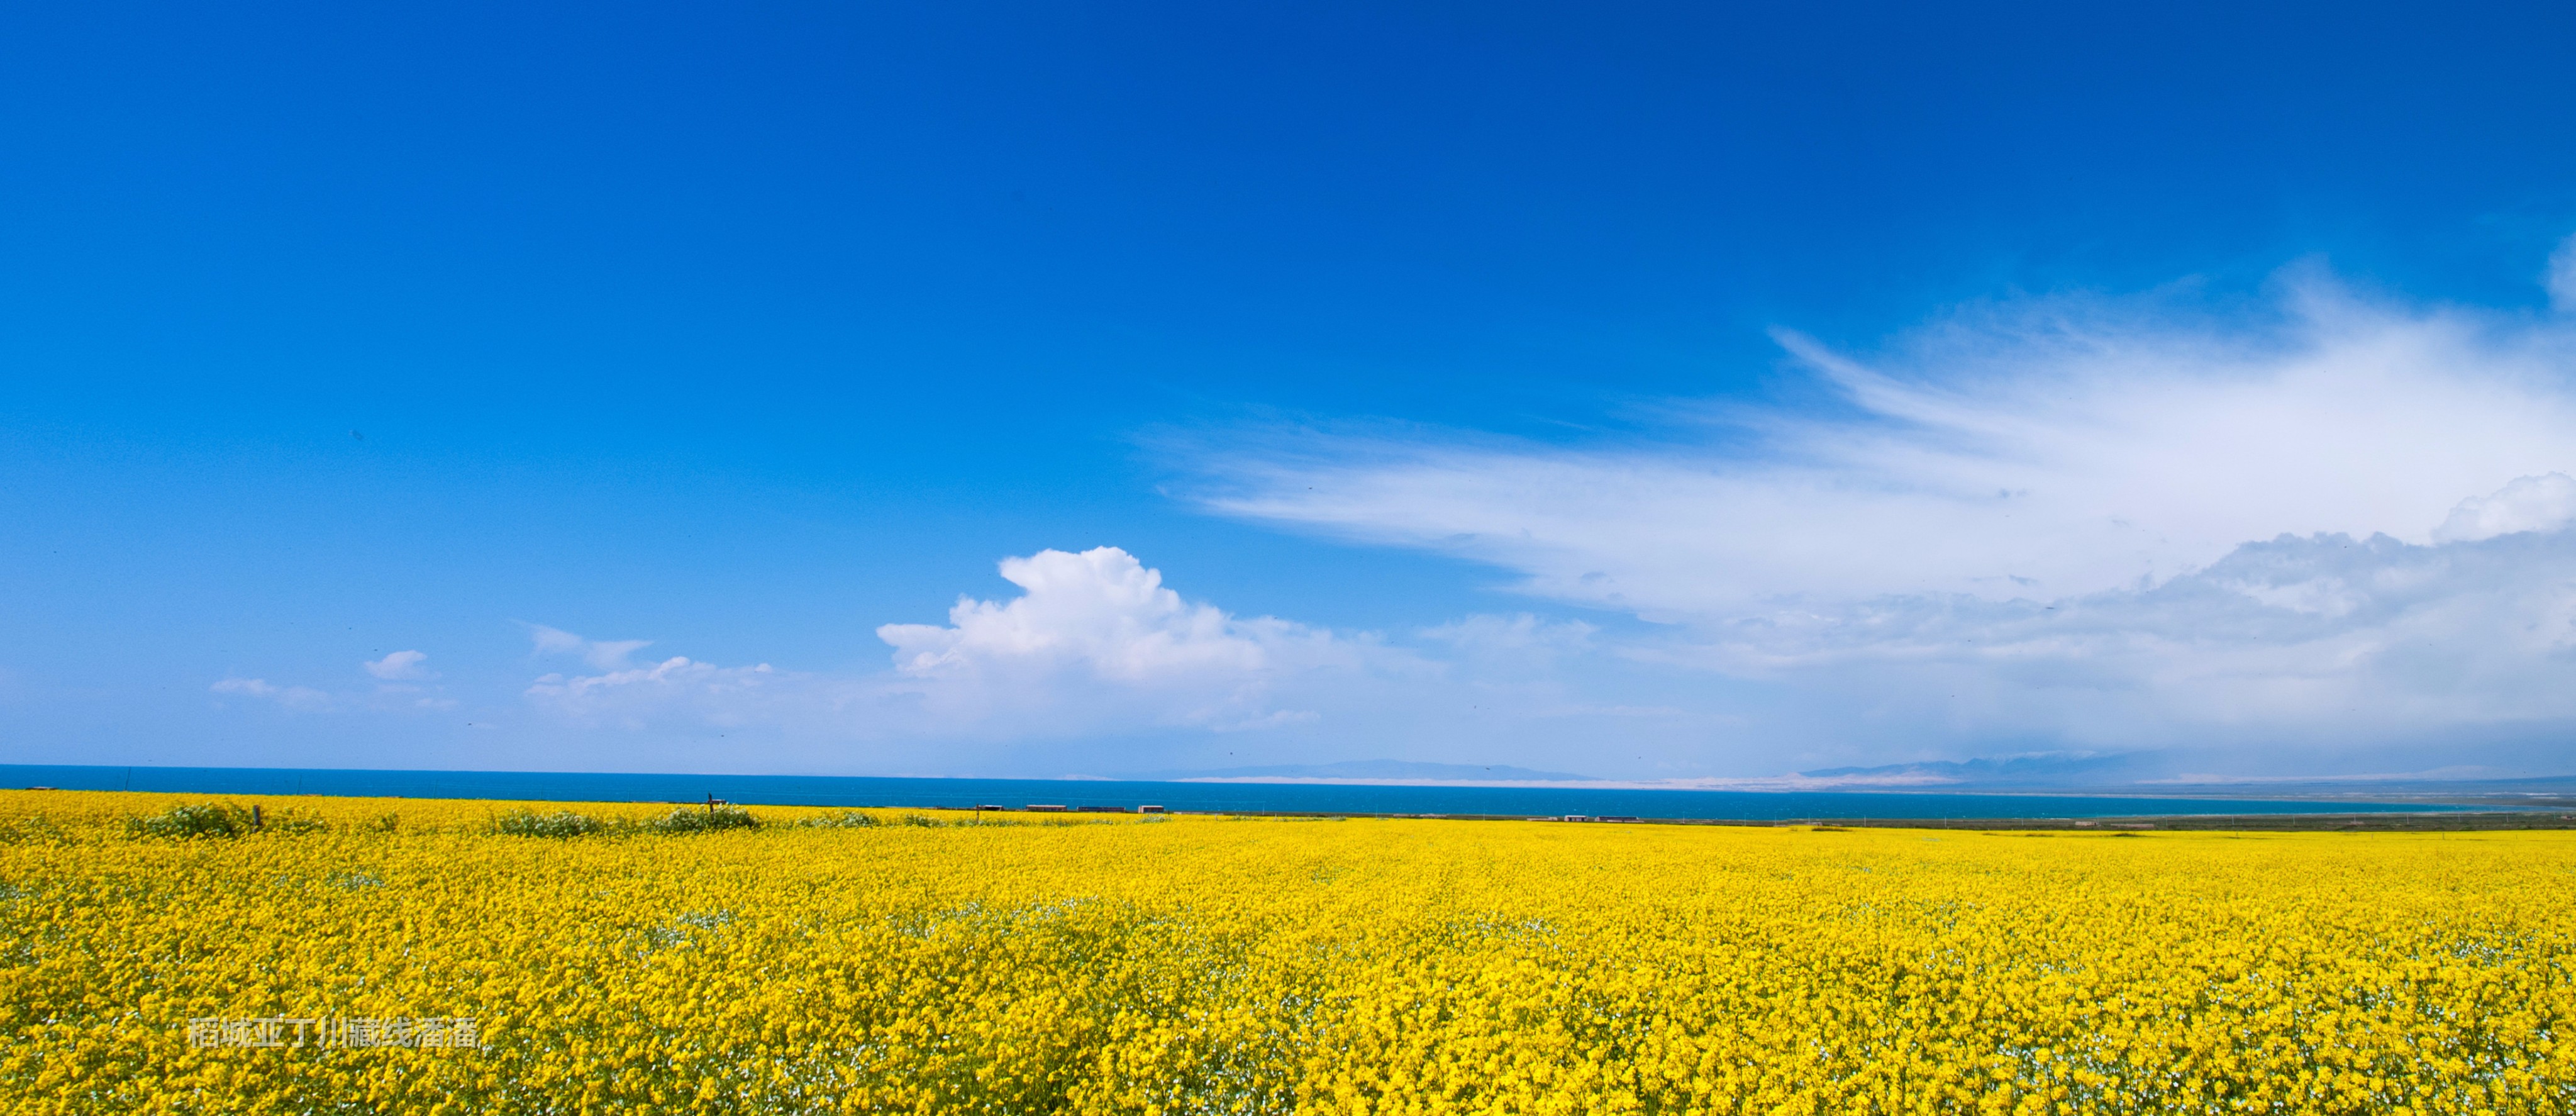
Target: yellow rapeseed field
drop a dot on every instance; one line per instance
(1204, 965)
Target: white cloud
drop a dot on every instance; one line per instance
(635, 696)
(401, 666)
(402, 685)
(1522, 638)
(1097, 638)
(2561, 278)
(2311, 637)
(1100, 610)
(2543, 503)
(2323, 523)
(2044, 450)
(1094, 647)
(298, 698)
(554, 641)
(2043, 521)
(602, 654)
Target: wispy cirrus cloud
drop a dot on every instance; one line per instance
(2043, 448)
(2079, 519)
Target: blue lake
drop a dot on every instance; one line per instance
(804, 790)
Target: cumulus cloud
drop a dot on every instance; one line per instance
(1098, 633)
(401, 666)
(302, 699)
(1100, 610)
(2543, 503)
(2074, 518)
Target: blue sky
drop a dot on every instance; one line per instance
(1611, 389)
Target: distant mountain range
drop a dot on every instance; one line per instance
(1381, 771)
(2040, 772)
(2037, 770)
(2151, 773)
(2041, 769)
